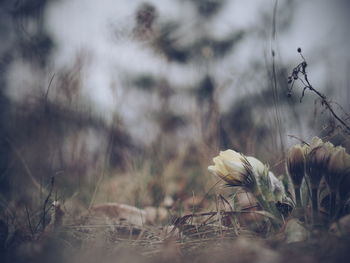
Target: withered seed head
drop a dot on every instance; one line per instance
(296, 164)
(339, 166)
(317, 163)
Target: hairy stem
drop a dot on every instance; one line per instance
(333, 197)
(266, 207)
(297, 197)
(314, 199)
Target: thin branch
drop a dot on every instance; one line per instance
(299, 73)
(29, 221)
(24, 163)
(299, 139)
(48, 87)
(46, 201)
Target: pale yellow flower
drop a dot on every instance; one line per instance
(257, 165)
(315, 142)
(233, 167)
(239, 170)
(229, 166)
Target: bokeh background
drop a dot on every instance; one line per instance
(128, 101)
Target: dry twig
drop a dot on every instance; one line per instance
(299, 73)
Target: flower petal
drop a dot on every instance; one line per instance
(257, 165)
(220, 165)
(235, 169)
(315, 142)
(212, 169)
(230, 155)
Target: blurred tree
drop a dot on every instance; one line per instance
(202, 53)
(23, 36)
(4, 147)
(30, 39)
(49, 133)
(246, 126)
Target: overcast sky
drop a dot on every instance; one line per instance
(103, 29)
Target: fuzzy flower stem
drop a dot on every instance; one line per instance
(262, 202)
(297, 197)
(267, 208)
(333, 196)
(275, 211)
(314, 198)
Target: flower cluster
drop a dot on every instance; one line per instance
(314, 162)
(318, 160)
